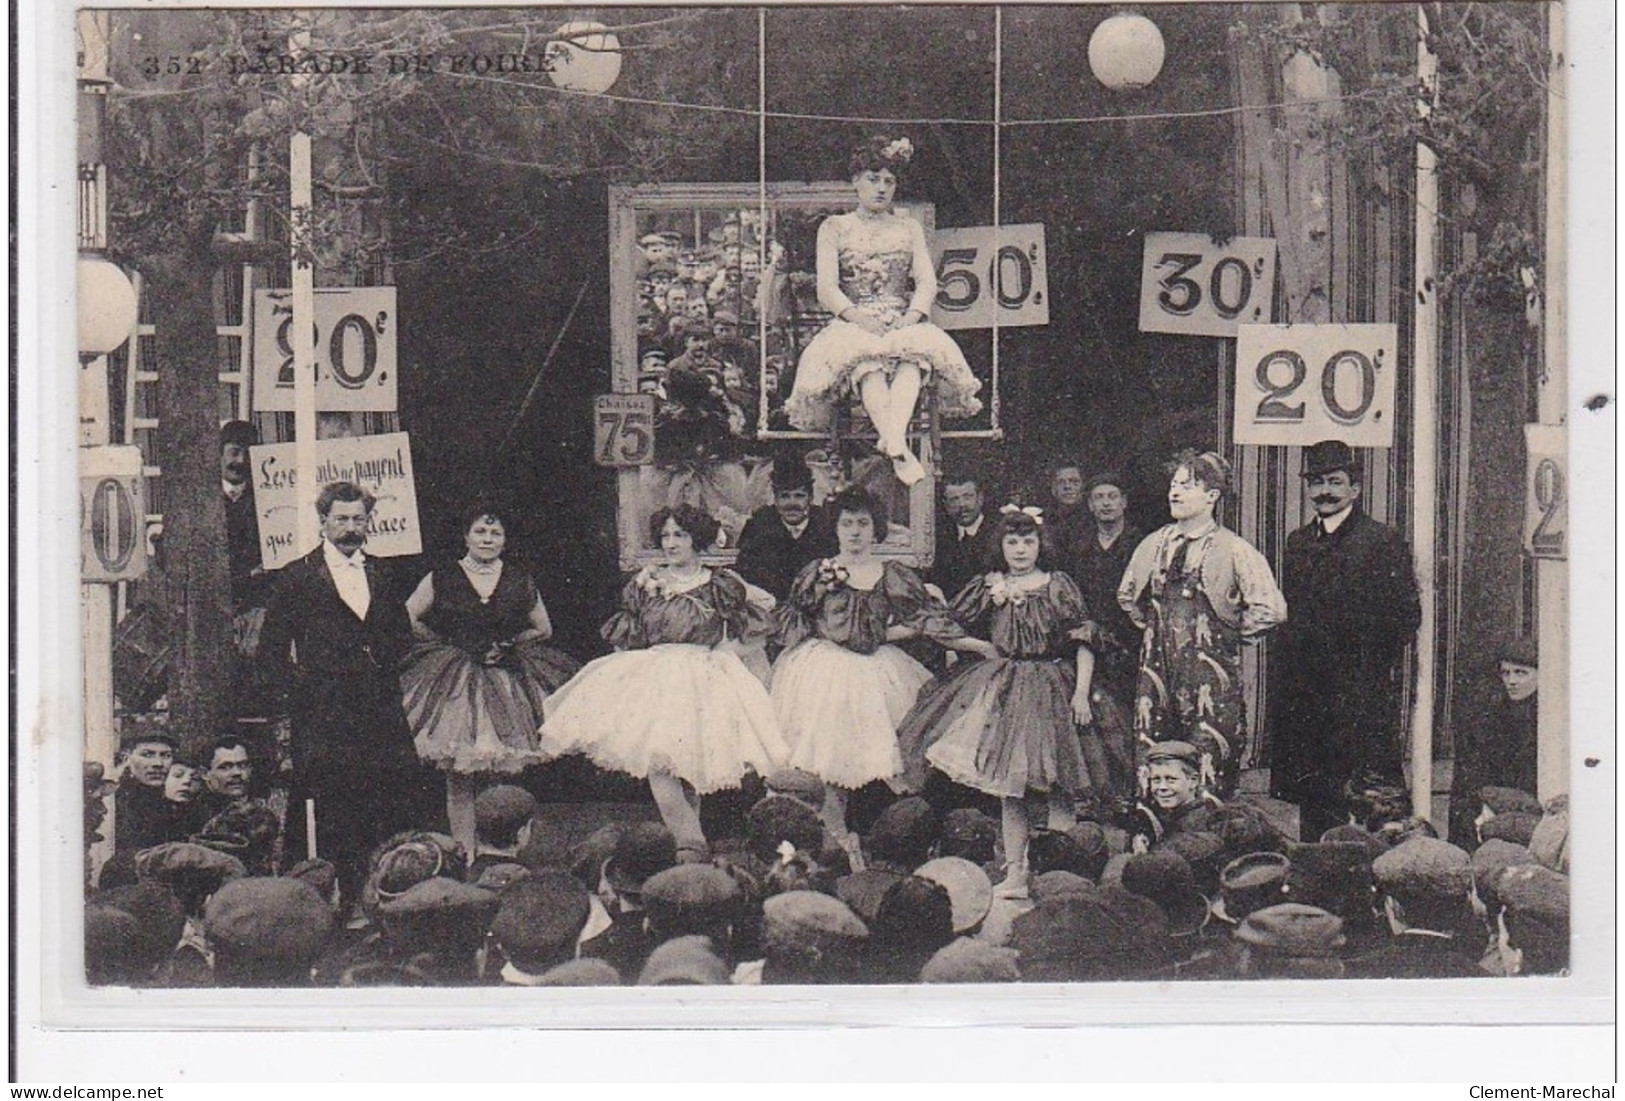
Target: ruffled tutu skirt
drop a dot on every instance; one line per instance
(695, 712)
(1001, 726)
(469, 717)
(842, 353)
(839, 709)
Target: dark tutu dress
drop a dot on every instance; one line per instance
(468, 716)
(840, 689)
(1004, 725)
(668, 701)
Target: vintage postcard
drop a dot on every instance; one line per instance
(775, 498)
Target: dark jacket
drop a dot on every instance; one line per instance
(1416, 956)
(959, 560)
(1115, 640)
(770, 557)
(1336, 666)
(248, 588)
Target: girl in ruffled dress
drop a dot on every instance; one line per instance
(840, 688)
(875, 275)
(1009, 726)
(675, 704)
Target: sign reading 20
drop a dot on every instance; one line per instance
(1300, 384)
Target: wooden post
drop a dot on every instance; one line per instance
(303, 336)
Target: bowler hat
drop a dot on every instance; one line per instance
(1327, 456)
(1252, 882)
(278, 922)
(1293, 929)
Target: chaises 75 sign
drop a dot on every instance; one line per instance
(1300, 384)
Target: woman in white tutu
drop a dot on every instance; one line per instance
(840, 688)
(881, 343)
(473, 685)
(675, 704)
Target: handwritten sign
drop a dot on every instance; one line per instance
(113, 514)
(355, 350)
(1193, 285)
(1546, 492)
(1298, 384)
(623, 429)
(985, 272)
(382, 465)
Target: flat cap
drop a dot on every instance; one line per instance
(968, 960)
(587, 858)
(1505, 800)
(1358, 835)
(502, 808)
(136, 733)
(1424, 868)
(1514, 826)
(111, 937)
(1550, 841)
(1490, 860)
(1107, 933)
(188, 869)
(915, 916)
(405, 866)
(642, 849)
(1293, 929)
(1058, 884)
(160, 918)
(685, 961)
(904, 833)
(691, 895)
(441, 903)
(320, 874)
(1174, 751)
(97, 785)
(540, 918)
(1093, 846)
(1333, 875)
(1533, 891)
(1165, 878)
(797, 921)
(795, 782)
(1523, 651)
(582, 972)
(969, 833)
(1203, 851)
(1252, 882)
(969, 890)
(862, 891)
(268, 920)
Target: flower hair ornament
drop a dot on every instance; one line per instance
(901, 150)
(1032, 511)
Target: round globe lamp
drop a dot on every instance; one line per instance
(1126, 52)
(107, 307)
(585, 59)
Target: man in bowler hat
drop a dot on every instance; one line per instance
(1336, 666)
(334, 637)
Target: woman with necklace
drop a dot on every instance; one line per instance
(475, 682)
(881, 343)
(841, 686)
(1010, 726)
(674, 705)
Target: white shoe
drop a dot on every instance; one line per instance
(908, 469)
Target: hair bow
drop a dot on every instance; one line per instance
(787, 852)
(1033, 511)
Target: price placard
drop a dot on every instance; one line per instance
(623, 429)
(985, 272)
(1299, 384)
(1192, 284)
(113, 514)
(1546, 492)
(355, 350)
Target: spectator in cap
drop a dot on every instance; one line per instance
(1248, 883)
(1336, 877)
(1057, 884)
(1176, 798)
(1499, 748)
(1200, 593)
(698, 900)
(1549, 844)
(538, 926)
(1165, 878)
(1203, 852)
(142, 817)
(503, 815)
(247, 831)
(969, 833)
(1290, 941)
(780, 539)
(1515, 826)
(642, 850)
(320, 874)
(1242, 828)
(967, 960)
(1518, 813)
(266, 932)
(1104, 934)
(1426, 887)
(1372, 801)
(1534, 924)
(863, 891)
(685, 961)
(904, 836)
(1336, 707)
(1357, 835)
(914, 919)
(440, 926)
(1401, 831)
(581, 972)
(132, 953)
(970, 891)
(1058, 851)
(779, 821)
(192, 872)
(809, 938)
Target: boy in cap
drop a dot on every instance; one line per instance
(142, 816)
(1534, 925)
(1290, 941)
(693, 900)
(502, 825)
(809, 938)
(266, 932)
(1500, 748)
(538, 926)
(1426, 887)
(642, 850)
(1176, 798)
(685, 961)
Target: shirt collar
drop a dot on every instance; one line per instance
(233, 492)
(1333, 522)
(515, 977)
(1208, 528)
(338, 560)
(969, 531)
(797, 529)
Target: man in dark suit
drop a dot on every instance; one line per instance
(352, 749)
(250, 584)
(968, 544)
(1101, 560)
(779, 539)
(1336, 666)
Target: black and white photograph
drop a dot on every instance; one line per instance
(964, 497)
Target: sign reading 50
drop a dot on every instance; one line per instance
(355, 335)
(1196, 286)
(985, 272)
(1300, 384)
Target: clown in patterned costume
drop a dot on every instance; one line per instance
(1199, 592)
